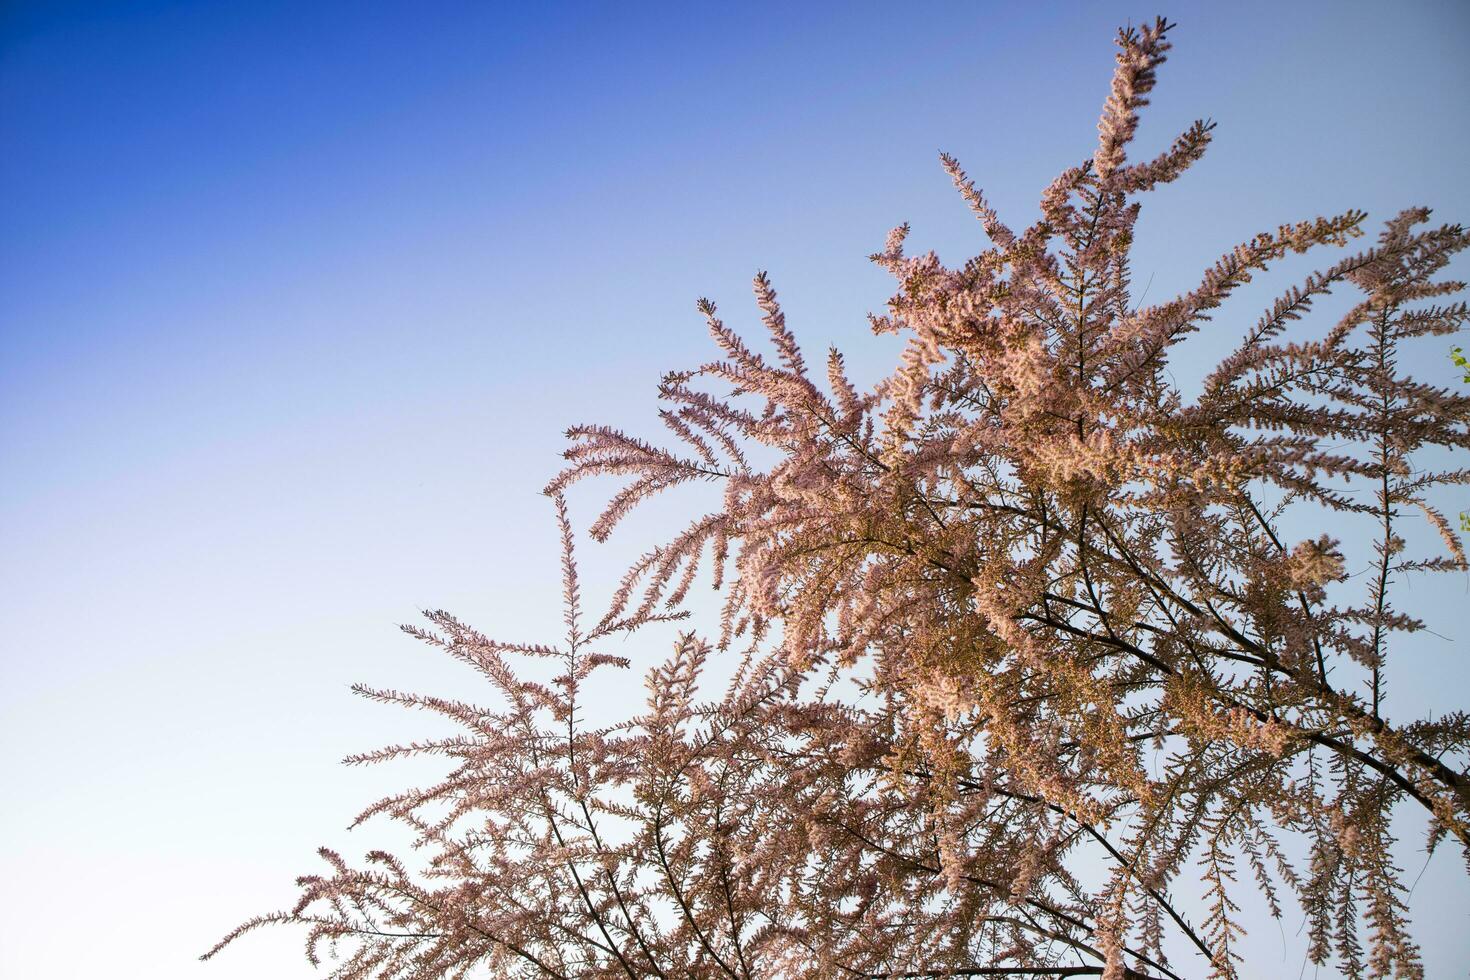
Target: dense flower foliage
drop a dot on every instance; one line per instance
(1021, 610)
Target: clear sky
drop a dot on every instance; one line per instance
(295, 300)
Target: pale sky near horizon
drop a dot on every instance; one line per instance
(295, 300)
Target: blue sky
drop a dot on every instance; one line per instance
(296, 299)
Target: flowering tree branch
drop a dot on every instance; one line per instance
(1022, 608)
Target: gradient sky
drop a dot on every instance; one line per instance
(295, 300)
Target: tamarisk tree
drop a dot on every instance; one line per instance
(1027, 673)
